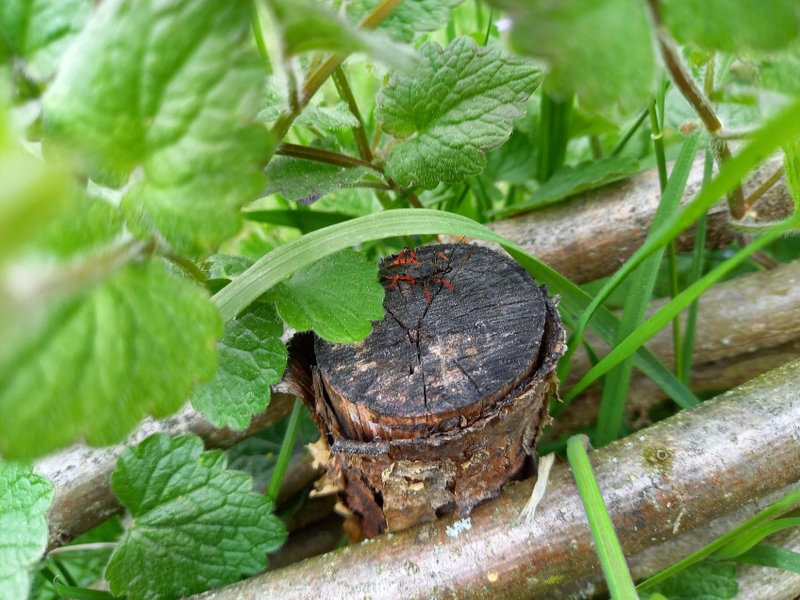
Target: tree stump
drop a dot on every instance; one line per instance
(443, 402)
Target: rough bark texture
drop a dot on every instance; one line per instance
(672, 478)
(83, 497)
(443, 402)
(591, 235)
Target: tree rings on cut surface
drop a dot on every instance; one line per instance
(443, 402)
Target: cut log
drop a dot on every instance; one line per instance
(443, 402)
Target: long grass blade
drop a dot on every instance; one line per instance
(786, 126)
(667, 312)
(609, 551)
(615, 387)
(281, 262)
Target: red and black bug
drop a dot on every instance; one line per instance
(405, 266)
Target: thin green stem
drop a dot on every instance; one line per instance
(326, 68)
(488, 27)
(629, 134)
(789, 502)
(695, 272)
(258, 34)
(287, 447)
(359, 133)
(323, 156)
(609, 550)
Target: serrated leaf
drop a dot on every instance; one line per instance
(327, 118)
(459, 102)
(733, 26)
(600, 49)
(251, 358)
(409, 19)
(176, 108)
(338, 297)
(24, 499)
(702, 581)
(133, 345)
(306, 181)
(195, 525)
(571, 180)
(39, 31)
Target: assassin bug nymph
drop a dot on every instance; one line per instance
(407, 267)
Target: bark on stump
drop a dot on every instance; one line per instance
(443, 402)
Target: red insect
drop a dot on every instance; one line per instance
(407, 267)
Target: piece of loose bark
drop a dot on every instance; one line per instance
(655, 484)
(443, 402)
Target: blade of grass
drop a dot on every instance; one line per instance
(771, 556)
(554, 135)
(695, 271)
(785, 126)
(747, 540)
(287, 447)
(615, 387)
(789, 502)
(609, 551)
(667, 312)
(304, 220)
(281, 262)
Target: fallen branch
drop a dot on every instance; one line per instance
(655, 484)
(584, 238)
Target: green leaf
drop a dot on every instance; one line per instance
(599, 49)
(733, 26)
(251, 358)
(703, 581)
(133, 345)
(171, 113)
(24, 500)
(39, 31)
(327, 118)
(338, 297)
(308, 25)
(306, 180)
(225, 266)
(459, 102)
(281, 262)
(569, 180)
(409, 19)
(771, 556)
(195, 525)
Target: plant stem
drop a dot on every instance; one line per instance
(695, 272)
(325, 69)
(287, 447)
(629, 134)
(698, 99)
(359, 133)
(323, 156)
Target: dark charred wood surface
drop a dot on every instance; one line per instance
(443, 402)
